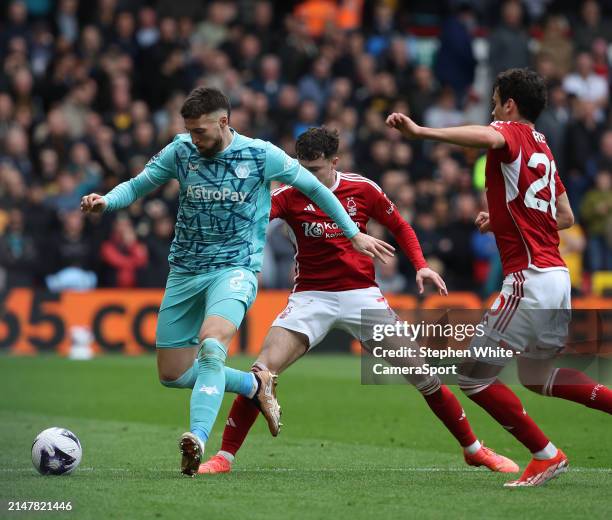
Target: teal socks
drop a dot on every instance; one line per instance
(236, 381)
(207, 393)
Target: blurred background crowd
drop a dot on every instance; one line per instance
(90, 90)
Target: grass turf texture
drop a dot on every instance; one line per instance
(346, 450)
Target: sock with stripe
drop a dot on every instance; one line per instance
(576, 386)
(241, 418)
(447, 408)
(506, 408)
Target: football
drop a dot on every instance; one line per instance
(56, 451)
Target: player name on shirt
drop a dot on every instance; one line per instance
(522, 188)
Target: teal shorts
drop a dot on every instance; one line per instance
(190, 298)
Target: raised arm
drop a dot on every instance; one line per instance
(476, 136)
(159, 170)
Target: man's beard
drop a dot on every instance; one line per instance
(214, 149)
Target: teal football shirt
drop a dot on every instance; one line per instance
(224, 200)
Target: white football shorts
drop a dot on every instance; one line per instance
(315, 313)
(531, 314)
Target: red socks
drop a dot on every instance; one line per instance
(448, 409)
(506, 408)
(576, 386)
(239, 422)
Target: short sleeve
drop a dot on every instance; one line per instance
(279, 166)
(511, 149)
(559, 186)
(162, 166)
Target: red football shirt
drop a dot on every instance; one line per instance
(325, 258)
(522, 185)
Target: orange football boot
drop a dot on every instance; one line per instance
(216, 464)
(488, 458)
(539, 472)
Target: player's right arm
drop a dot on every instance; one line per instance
(476, 136)
(565, 215)
(159, 170)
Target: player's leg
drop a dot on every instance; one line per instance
(536, 367)
(447, 408)
(281, 348)
(176, 337)
(479, 382)
(305, 321)
(438, 397)
(541, 376)
(173, 374)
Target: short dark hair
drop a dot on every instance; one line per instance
(317, 141)
(526, 88)
(204, 100)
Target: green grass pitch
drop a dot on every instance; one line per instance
(346, 450)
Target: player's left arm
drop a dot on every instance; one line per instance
(475, 136)
(281, 167)
(385, 212)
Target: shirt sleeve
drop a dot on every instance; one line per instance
(279, 166)
(309, 185)
(159, 170)
(559, 186)
(510, 150)
(385, 212)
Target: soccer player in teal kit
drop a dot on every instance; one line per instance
(224, 205)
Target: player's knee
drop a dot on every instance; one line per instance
(167, 378)
(216, 333)
(471, 386)
(428, 385)
(531, 380)
(212, 354)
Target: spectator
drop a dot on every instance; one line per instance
(455, 63)
(444, 112)
(67, 197)
(423, 94)
(316, 86)
(158, 246)
(123, 255)
(596, 214)
(509, 42)
(591, 26)
(16, 152)
(71, 255)
(557, 45)
(388, 278)
(18, 255)
(586, 85)
(553, 123)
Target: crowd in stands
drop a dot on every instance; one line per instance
(90, 90)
